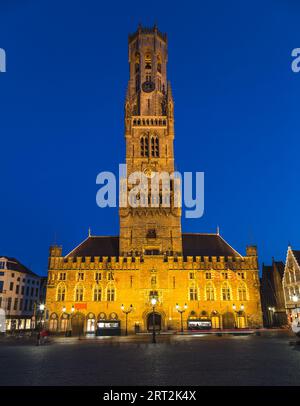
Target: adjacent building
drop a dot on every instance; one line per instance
(272, 295)
(19, 294)
(91, 288)
(291, 284)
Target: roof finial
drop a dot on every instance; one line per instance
(218, 230)
(89, 231)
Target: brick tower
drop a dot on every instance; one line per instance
(149, 133)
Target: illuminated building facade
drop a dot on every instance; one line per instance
(151, 257)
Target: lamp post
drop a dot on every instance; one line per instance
(181, 311)
(234, 309)
(42, 309)
(272, 311)
(126, 312)
(68, 329)
(153, 303)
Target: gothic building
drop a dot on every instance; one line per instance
(152, 257)
(291, 284)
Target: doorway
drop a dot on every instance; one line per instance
(157, 321)
(77, 324)
(228, 320)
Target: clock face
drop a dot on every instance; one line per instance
(148, 87)
(148, 172)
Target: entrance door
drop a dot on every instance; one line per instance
(157, 321)
(241, 322)
(215, 321)
(228, 320)
(77, 324)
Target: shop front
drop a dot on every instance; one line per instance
(108, 326)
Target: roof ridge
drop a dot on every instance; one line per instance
(200, 234)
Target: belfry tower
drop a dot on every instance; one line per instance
(149, 133)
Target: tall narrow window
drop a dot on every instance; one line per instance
(193, 294)
(148, 64)
(210, 292)
(79, 293)
(158, 63)
(137, 82)
(242, 293)
(155, 147)
(226, 294)
(145, 146)
(61, 293)
(137, 63)
(97, 294)
(110, 294)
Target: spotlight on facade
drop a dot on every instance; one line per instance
(64, 309)
(295, 298)
(42, 307)
(234, 306)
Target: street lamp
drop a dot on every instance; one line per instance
(68, 332)
(272, 311)
(41, 309)
(153, 303)
(126, 312)
(181, 311)
(295, 299)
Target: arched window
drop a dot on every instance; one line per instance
(53, 322)
(144, 146)
(79, 293)
(210, 291)
(225, 292)
(111, 294)
(64, 322)
(97, 294)
(155, 146)
(61, 293)
(242, 292)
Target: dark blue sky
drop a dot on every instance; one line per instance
(61, 117)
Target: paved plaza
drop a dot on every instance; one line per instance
(268, 359)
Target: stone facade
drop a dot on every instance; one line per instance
(151, 257)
